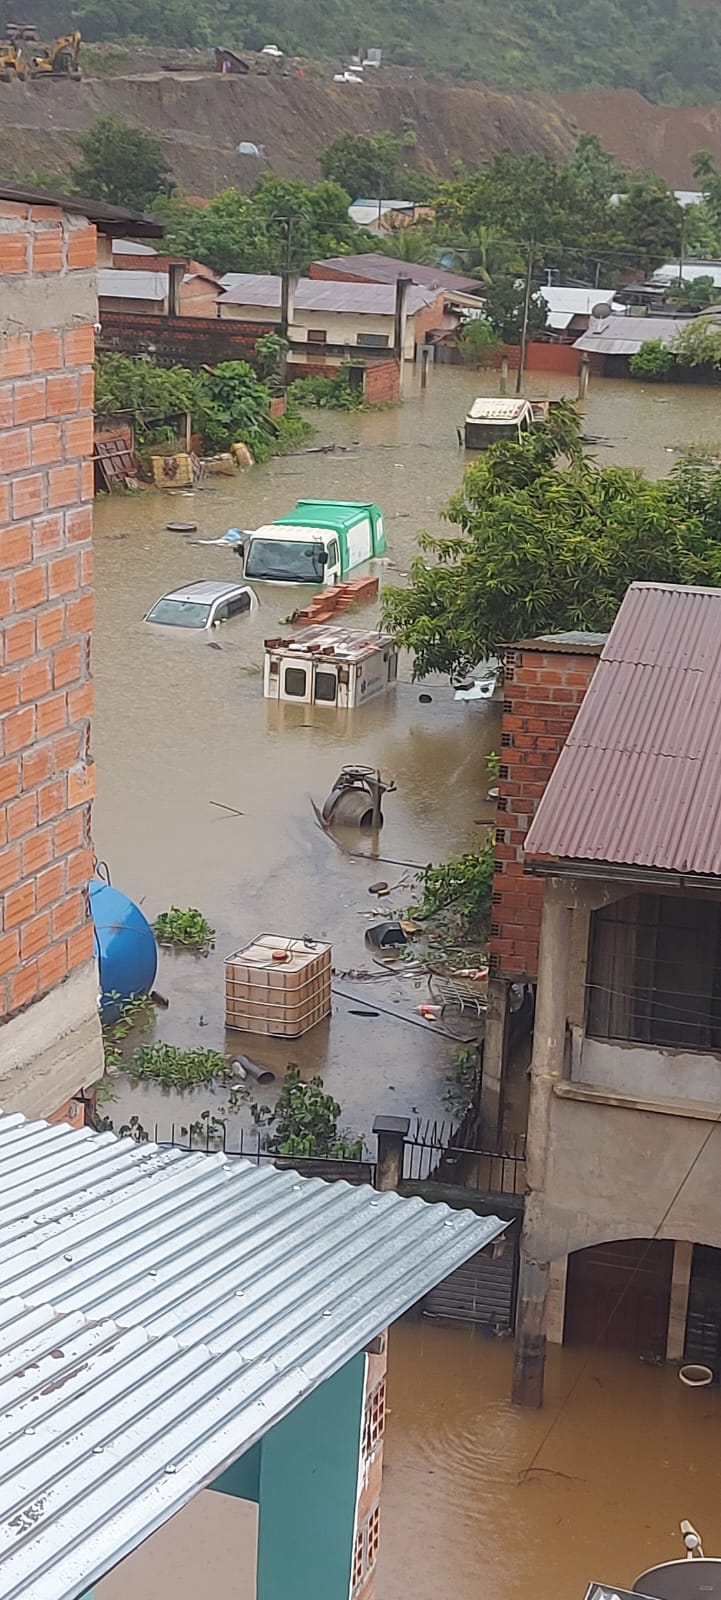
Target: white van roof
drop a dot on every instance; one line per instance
(495, 410)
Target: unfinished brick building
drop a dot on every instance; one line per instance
(50, 1046)
(545, 681)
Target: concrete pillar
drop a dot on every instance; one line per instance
(503, 378)
(494, 1061)
(529, 1357)
(390, 1133)
(546, 1069)
(678, 1302)
(583, 373)
(556, 1304)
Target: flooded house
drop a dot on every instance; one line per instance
(327, 317)
(621, 1242)
(50, 1042)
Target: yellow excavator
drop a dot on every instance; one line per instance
(57, 60)
(19, 60)
(13, 54)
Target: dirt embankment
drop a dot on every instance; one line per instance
(647, 137)
(201, 119)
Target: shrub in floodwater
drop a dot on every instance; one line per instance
(187, 928)
(178, 1068)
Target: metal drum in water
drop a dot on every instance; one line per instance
(124, 945)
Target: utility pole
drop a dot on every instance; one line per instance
(526, 309)
(682, 247)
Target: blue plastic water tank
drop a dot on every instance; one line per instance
(124, 945)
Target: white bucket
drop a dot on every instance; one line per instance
(695, 1376)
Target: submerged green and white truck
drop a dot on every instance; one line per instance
(319, 541)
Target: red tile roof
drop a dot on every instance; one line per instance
(638, 782)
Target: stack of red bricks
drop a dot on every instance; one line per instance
(544, 687)
(337, 598)
(46, 603)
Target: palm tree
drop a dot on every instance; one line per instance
(408, 244)
(494, 255)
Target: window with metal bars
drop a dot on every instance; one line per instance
(655, 972)
(375, 1418)
(358, 1559)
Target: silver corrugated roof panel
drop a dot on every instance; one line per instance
(638, 782)
(159, 1312)
(321, 294)
(623, 336)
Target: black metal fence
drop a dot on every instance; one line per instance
(248, 1146)
(430, 1153)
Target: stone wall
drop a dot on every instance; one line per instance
(47, 312)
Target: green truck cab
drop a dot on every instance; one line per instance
(319, 541)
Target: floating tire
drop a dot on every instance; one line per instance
(182, 527)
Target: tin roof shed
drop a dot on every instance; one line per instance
(638, 782)
(159, 1312)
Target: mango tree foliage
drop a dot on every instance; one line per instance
(279, 223)
(545, 540)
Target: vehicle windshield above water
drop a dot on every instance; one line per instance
(285, 561)
(180, 613)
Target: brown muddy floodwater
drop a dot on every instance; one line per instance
(182, 730)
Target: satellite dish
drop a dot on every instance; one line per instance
(603, 309)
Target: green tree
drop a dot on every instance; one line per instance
(280, 223)
(649, 223)
(479, 343)
(546, 540)
(367, 165)
(504, 310)
(121, 165)
(408, 244)
(698, 343)
(653, 361)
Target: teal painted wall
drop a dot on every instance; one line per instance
(242, 1479)
(308, 1489)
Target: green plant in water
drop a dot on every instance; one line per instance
(187, 928)
(462, 1082)
(178, 1068)
(462, 886)
(304, 1121)
(493, 764)
(132, 1014)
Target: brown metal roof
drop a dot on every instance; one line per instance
(575, 642)
(376, 268)
(638, 782)
(115, 220)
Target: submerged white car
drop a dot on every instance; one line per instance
(202, 605)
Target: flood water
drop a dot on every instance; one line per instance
(181, 732)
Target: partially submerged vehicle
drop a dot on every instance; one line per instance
(490, 420)
(330, 666)
(319, 541)
(205, 605)
(483, 683)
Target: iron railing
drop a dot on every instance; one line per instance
(248, 1146)
(431, 1153)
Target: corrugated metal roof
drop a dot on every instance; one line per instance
(159, 1312)
(115, 284)
(575, 641)
(566, 302)
(108, 219)
(638, 782)
(490, 409)
(321, 294)
(623, 336)
(378, 268)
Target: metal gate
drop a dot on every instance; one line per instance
(482, 1291)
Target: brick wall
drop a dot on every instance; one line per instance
(382, 383)
(181, 341)
(543, 690)
(46, 603)
(368, 1507)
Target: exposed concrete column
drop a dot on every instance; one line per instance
(556, 1305)
(546, 1069)
(288, 286)
(390, 1133)
(678, 1302)
(494, 1061)
(530, 1350)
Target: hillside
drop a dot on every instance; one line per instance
(201, 119)
(669, 50)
